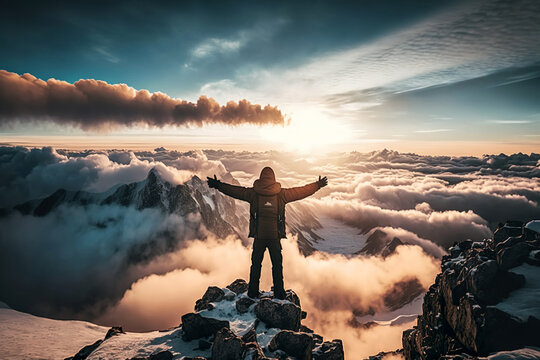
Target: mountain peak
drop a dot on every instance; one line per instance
(227, 324)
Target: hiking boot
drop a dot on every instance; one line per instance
(254, 294)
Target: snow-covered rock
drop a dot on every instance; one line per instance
(269, 328)
(484, 301)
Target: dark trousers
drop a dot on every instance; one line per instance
(259, 247)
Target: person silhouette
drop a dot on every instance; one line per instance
(267, 201)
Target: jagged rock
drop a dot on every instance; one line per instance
(317, 339)
(401, 293)
(292, 297)
(282, 315)
(511, 228)
(511, 241)
(86, 351)
(513, 256)
(250, 335)
(194, 358)
(490, 284)
(329, 350)
(238, 286)
(465, 245)
(196, 326)
(115, 330)
(227, 346)
(458, 317)
(305, 329)
(384, 354)
(253, 352)
(299, 345)
(204, 344)
(212, 294)
(229, 295)
(162, 355)
(243, 304)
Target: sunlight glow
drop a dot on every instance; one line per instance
(309, 131)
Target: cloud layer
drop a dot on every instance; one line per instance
(96, 105)
(144, 268)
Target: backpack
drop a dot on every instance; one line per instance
(267, 216)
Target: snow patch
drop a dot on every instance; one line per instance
(405, 314)
(25, 336)
(533, 225)
(209, 201)
(522, 354)
(523, 303)
(338, 237)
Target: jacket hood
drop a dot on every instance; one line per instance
(266, 183)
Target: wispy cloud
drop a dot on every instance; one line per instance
(510, 122)
(433, 130)
(215, 46)
(460, 43)
(107, 55)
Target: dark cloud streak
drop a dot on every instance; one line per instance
(96, 105)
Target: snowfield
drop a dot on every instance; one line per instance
(25, 336)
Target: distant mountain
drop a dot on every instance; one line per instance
(220, 214)
(379, 243)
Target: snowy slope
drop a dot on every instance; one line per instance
(25, 336)
(336, 237)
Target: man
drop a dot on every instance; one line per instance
(266, 221)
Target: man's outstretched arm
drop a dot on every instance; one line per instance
(237, 192)
(298, 193)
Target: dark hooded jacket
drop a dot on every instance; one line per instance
(263, 189)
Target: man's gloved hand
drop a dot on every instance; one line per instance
(322, 182)
(213, 183)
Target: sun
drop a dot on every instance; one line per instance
(309, 131)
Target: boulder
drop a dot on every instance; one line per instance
(227, 346)
(329, 350)
(243, 304)
(292, 297)
(490, 284)
(250, 335)
(511, 228)
(510, 257)
(253, 352)
(212, 294)
(204, 344)
(282, 315)
(86, 351)
(196, 326)
(238, 286)
(115, 330)
(162, 355)
(297, 344)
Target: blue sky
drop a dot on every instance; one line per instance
(365, 74)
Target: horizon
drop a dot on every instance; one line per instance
(450, 77)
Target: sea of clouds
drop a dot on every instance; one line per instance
(143, 269)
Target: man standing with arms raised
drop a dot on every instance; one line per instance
(267, 221)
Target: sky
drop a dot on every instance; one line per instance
(445, 77)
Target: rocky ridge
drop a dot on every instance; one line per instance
(485, 300)
(227, 324)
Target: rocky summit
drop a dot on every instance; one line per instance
(485, 300)
(226, 325)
